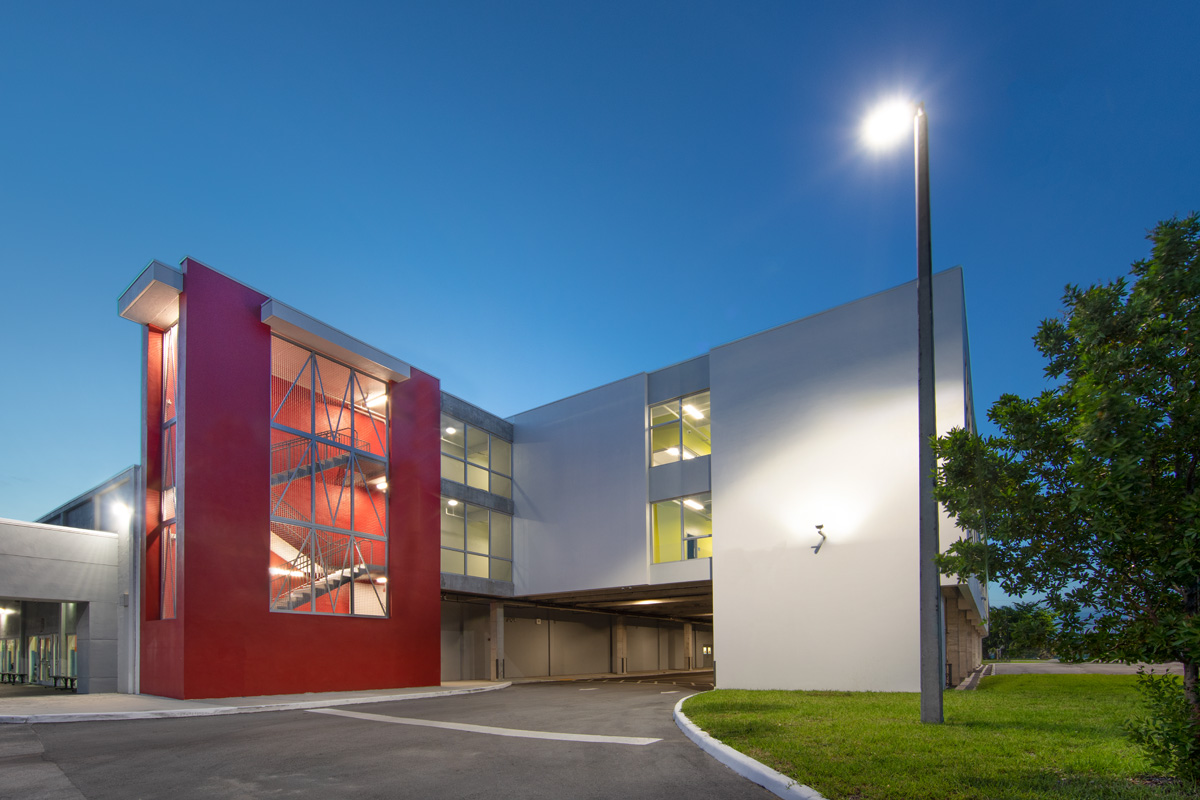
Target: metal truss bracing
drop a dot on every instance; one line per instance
(328, 486)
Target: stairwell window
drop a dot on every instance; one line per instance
(168, 544)
(329, 452)
(475, 457)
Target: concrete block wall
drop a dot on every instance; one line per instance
(964, 635)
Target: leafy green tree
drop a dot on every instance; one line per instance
(1088, 493)
(1023, 630)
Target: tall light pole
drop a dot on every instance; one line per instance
(884, 126)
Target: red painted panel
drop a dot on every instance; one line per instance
(414, 506)
(234, 644)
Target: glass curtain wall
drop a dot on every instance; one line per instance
(476, 541)
(680, 429)
(329, 454)
(475, 457)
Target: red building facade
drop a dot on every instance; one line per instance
(292, 498)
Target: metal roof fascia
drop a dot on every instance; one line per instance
(301, 328)
(153, 297)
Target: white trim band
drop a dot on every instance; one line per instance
(514, 732)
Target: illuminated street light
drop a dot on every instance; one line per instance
(886, 126)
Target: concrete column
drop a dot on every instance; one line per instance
(689, 646)
(83, 644)
(23, 641)
(620, 663)
(128, 604)
(966, 648)
(496, 644)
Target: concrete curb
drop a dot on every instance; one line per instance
(971, 682)
(214, 711)
(775, 782)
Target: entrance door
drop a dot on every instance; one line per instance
(43, 652)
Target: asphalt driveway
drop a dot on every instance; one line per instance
(595, 739)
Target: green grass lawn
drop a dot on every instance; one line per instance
(1016, 736)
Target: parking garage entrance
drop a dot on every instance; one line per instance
(614, 631)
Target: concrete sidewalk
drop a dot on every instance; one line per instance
(647, 676)
(51, 706)
(112, 706)
(1056, 667)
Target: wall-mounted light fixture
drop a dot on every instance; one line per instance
(817, 547)
(122, 514)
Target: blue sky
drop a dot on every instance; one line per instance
(528, 200)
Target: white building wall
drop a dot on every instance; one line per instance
(815, 422)
(580, 492)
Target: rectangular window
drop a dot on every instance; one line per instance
(329, 453)
(168, 546)
(472, 456)
(476, 541)
(680, 429)
(681, 529)
(169, 562)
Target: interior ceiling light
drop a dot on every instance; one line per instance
(672, 451)
(381, 483)
(377, 400)
(452, 430)
(381, 580)
(693, 412)
(688, 454)
(690, 503)
(451, 503)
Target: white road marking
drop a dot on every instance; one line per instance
(462, 726)
(593, 689)
(673, 691)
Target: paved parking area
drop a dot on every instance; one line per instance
(577, 739)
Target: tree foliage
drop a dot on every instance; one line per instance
(1023, 630)
(1087, 495)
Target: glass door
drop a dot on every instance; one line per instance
(8, 654)
(43, 651)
